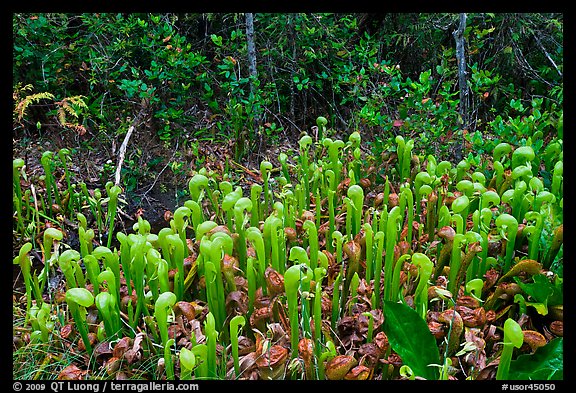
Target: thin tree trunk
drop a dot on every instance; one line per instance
(253, 71)
(251, 53)
(461, 59)
(251, 47)
(292, 44)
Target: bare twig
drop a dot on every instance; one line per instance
(547, 55)
(124, 145)
(161, 171)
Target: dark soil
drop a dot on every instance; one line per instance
(151, 187)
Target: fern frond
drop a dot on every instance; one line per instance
(79, 128)
(20, 90)
(77, 100)
(70, 106)
(61, 115)
(21, 107)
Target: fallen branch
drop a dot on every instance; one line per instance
(547, 55)
(123, 147)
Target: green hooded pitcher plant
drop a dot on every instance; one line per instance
(137, 251)
(111, 261)
(17, 166)
(78, 300)
(312, 232)
(196, 215)
(235, 324)
(197, 187)
(396, 290)
(469, 263)
(283, 159)
(370, 332)
(534, 227)
(304, 144)
(32, 290)
(462, 169)
(552, 153)
(219, 245)
(522, 155)
(109, 313)
(64, 156)
(168, 361)
(253, 280)
(557, 179)
(501, 153)
(51, 186)
(68, 262)
(265, 169)
(200, 352)
(353, 144)
(254, 236)
(431, 165)
(407, 202)
(513, 337)
(421, 179)
(336, 300)
(107, 279)
(113, 197)
(427, 191)
(425, 269)
(92, 271)
(211, 341)
(394, 220)
(369, 250)
(514, 198)
(202, 231)
(153, 258)
(404, 151)
(214, 294)
(321, 122)
(348, 207)
(455, 262)
(241, 206)
(85, 237)
(300, 256)
(319, 274)
(177, 255)
(181, 219)
(295, 277)
(379, 239)
(460, 209)
(508, 228)
(273, 242)
(255, 194)
(162, 308)
(356, 195)
(228, 203)
(334, 148)
(474, 288)
(52, 237)
(187, 363)
(554, 246)
(42, 324)
(354, 252)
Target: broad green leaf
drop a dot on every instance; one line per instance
(542, 290)
(541, 308)
(410, 338)
(545, 364)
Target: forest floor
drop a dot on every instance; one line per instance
(157, 187)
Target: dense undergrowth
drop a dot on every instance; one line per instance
(333, 264)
